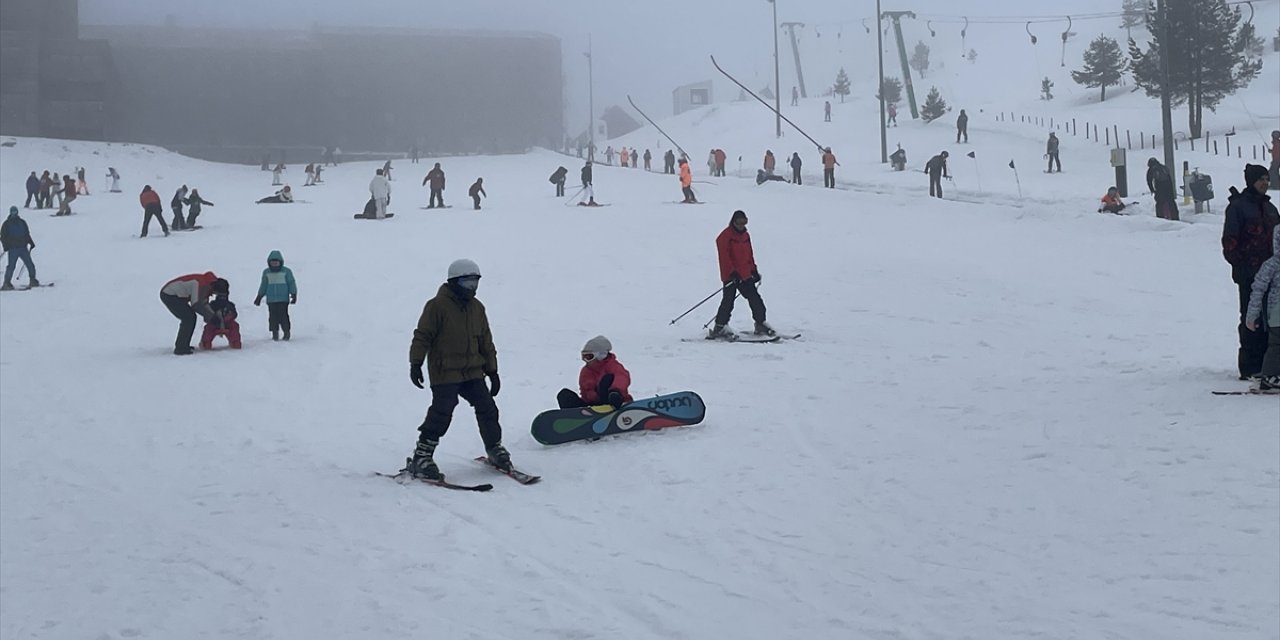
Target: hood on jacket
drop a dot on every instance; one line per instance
(739, 214)
(275, 255)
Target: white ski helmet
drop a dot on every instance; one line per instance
(463, 267)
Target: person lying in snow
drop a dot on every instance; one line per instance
(762, 177)
(603, 379)
(283, 196)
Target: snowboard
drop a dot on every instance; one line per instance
(559, 426)
(447, 206)
(361, 216)
(1250, 392)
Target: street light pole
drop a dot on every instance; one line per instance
(777, 85)
(1166, 109)
(884, 136)
(591, 105)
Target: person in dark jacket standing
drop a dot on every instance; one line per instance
(936, 167)
(1051, 152)
(669, 162)
(1246, 243)
(739, 274)
(588, 188)
(15, 237)
(477, 190)
(33, 190)
(1160, 184)
(436, 177)
(796, 163)
(558, 178)
(194, 202)
(151, 207)
(179, 199)
(454, 341)
(44, 197)
(648, 157)
(962, 127)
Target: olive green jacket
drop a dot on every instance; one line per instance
(453, 339)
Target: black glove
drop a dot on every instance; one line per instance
(602, 387)
(755, 277)
(615, 399)
(495, 384)
(415, 374)
(214, 320)
(734, 278)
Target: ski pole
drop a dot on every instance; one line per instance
(704, 301)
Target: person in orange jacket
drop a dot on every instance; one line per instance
(151, 207)
(829, 168)
(686, 182)
(770, 162)
(1111, 202)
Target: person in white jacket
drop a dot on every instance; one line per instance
(380, 189)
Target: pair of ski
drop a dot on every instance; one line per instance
(1250, 392)
(403, 477)
(28, 288)
(745, 337)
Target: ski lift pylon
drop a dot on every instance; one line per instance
(1065, 35)
(864, 25)
(1033, 36)
(929, 25)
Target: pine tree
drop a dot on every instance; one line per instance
(1134, 14)
(920, 58)
(972, 55)
(891, 90)
(934, 106)
(841, 87)
(1208, 57)
(1104, 65)
(1046, 89)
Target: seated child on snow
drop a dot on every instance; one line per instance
(603, 380)
(225, 322)
(1111, 202)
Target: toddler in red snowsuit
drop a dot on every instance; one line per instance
(603, 379)
(225, 311)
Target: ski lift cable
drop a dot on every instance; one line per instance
(1014, 19)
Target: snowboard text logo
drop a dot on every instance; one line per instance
(664, 404)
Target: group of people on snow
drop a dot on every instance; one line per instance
(205, 295)
(1251, 245)
(46, 188)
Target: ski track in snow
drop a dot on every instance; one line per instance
(997, 424)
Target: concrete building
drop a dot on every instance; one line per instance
(692, 96)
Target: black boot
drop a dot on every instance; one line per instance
(499, 457)
(422, 465)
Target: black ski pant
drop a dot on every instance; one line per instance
(1253, 344)
(795, 175)
(437, 198)
(748, 290)
(829, 177)
(156, 211)
(475, 202)
(569, 399)
(1053, 159)
(935, 184)
(962, 131)
(278, 316)
(181, 309)
(560, 189)
(30, 195)
(688, 194)
(444, 398)
(191, 218)
(178, 223)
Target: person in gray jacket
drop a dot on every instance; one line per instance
(1266, 288)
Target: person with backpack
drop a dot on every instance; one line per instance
(558, 179)
(15, 237)
(436, 178)
(1160, 184)
(1247, 230)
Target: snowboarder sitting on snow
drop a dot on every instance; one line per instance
(899, 159)
(603, 379)
(280, 290)
(762, 177)
(223, 321)
(1266, 287)
(476, 191)
(1111, 202)
(739, 274)
(15, 236)
(283, 196)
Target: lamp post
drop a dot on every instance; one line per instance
(884, 141)
(591, 105)
(777, 85)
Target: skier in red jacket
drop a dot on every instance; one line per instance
(739, 274)
(603, 379)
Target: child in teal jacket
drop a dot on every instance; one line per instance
(280, 290)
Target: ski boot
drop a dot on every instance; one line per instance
(33, 283)
(422, 465)
(499, 457)
(720, 332)
(285, 337)
(1268, 383)
(8, 286)
(763, 329)
(275, 335)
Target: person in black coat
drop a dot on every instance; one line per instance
(33, 190)
(796, 163)
(194, 201)
(1247, 231)
(937, 170)
(962, 126)
(1160, 184)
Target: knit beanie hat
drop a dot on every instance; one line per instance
(1252, 173)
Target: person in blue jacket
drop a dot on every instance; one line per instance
(280, 290)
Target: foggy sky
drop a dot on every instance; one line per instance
(642, 47)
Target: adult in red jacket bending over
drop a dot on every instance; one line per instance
(603, 379)
(739, 274)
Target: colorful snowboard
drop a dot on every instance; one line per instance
(559, 426)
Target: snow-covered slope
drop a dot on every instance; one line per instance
(997, 424)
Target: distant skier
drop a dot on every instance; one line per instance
(380, 190)
(647, 158)
(1051, 152)
(826, 111)
(477, 190)
(624, 157)
(898, 159)
(711, 163)
(186, 297)
(686, 182)
(386, 170)
(796, 163)
(225, 312)
(1247, 230)
(454, 340)
(558, 179)
(280, 290)
(283, 196)
(893, 115)
(1160, 184)
(603, 379)
(829, 168)
(33, 190)
(82, 185)
(43, 197)
(962, 127)
(15, 238)
(69, 194)
(763, 177)
(588, 190)
(1275, 158)
(721, 156)
(194, 203)
(436, 178)
(739, 274)
(608, 155)
(311, 175)
(936, 167)
(413, 154)
(275, 174)
(770, 162)
(669, 162)
(795, 96)
(151, 207)
(115, 179)
(175, 204)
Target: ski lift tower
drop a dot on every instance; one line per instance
(896, 16)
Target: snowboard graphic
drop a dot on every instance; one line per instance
(559, 426)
